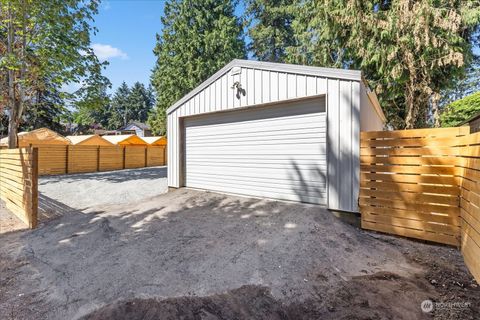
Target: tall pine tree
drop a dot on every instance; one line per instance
(140, 102)
(198, 38)
(270, 28)
(121, 111)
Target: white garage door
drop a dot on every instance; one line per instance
(276, 152)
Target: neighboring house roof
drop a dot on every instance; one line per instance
(155, 141)
(38, 136)
(125, 139)
(139, 125)
(336, 73)
(89, 139)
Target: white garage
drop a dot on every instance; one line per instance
(272, 130)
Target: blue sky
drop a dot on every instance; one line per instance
(126, 38)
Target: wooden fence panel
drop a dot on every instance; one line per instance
(156, 156)
(424, 184)
(470, 205)
(135, 157)
(19, 183)
(82, 159)
(410, 182)
(111, 158)
(52, 159)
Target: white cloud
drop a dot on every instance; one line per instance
(106, 52)
(106, 5)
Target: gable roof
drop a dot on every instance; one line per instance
(38, 136)
(125, 139)
(336, 73)
(155, 141)
(140, 125)
(90, 139)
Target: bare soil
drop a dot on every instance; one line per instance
(198, 255)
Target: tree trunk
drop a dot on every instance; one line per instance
(435, 111)
(12, 123)
(12, 134)
(411, 110)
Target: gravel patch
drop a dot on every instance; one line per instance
(88, 190)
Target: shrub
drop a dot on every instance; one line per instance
(461, 110)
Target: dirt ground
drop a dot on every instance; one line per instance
(198, 255)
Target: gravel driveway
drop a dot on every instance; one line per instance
(215, 256)
(88, 190)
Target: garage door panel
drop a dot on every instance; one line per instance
(259, 163)
(261, 128)
(314, 174)
(276, 152)
(274, 137)
(260, 148)
(267, 114)
(286, 184)
(246, 157)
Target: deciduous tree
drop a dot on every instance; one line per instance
(44, 39)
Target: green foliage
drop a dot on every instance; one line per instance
(45, 39)
(465, 86)
(461, 110)
(197, 39)
(410, 50)
(140, 101)
(48, 110)
(126, 105)
(270, 28)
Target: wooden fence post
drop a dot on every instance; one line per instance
(145, 163)
(124, 156)
(66, 159)
(98, 158)
(34, 187)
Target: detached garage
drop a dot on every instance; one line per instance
(273, 130)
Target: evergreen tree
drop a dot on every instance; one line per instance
(47, 110)
(140, 102)
(466, 85)
(270, 28)
(198, 38)
(410, 50)
(121, 111)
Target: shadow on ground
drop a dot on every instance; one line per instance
(196, 248)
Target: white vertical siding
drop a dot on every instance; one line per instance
(345, 104)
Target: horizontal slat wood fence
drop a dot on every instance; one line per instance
(81, 159)
(470, 204)
(423, 184)
(18, 183)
